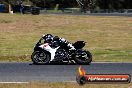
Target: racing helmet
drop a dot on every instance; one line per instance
(48, 37)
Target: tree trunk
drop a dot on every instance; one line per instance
(10, 9)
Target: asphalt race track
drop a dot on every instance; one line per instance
(26, 72)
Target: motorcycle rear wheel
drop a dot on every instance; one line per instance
(83, 57)
(40, 57)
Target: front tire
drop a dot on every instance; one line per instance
(83, 57)
(40, 57)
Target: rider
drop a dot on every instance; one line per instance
(51, 38)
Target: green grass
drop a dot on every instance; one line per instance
(64, 85)
(108, 38)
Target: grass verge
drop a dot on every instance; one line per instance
(108, 38)
(64, 85)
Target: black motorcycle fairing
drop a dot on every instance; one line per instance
(79, 44)
(37, 48)
(61, 55)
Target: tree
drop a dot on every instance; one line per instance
(9, 3)
(86, 4)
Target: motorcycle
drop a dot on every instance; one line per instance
(45, 53)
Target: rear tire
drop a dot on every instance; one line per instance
(40, 57)
(83, 57)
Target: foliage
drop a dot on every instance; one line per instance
(103, 4)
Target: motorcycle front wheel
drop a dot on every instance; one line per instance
(83, 57)
(40, 57)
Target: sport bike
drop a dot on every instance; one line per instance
(45, 53)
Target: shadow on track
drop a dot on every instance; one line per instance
(55, 63)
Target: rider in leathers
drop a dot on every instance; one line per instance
(50, 38)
